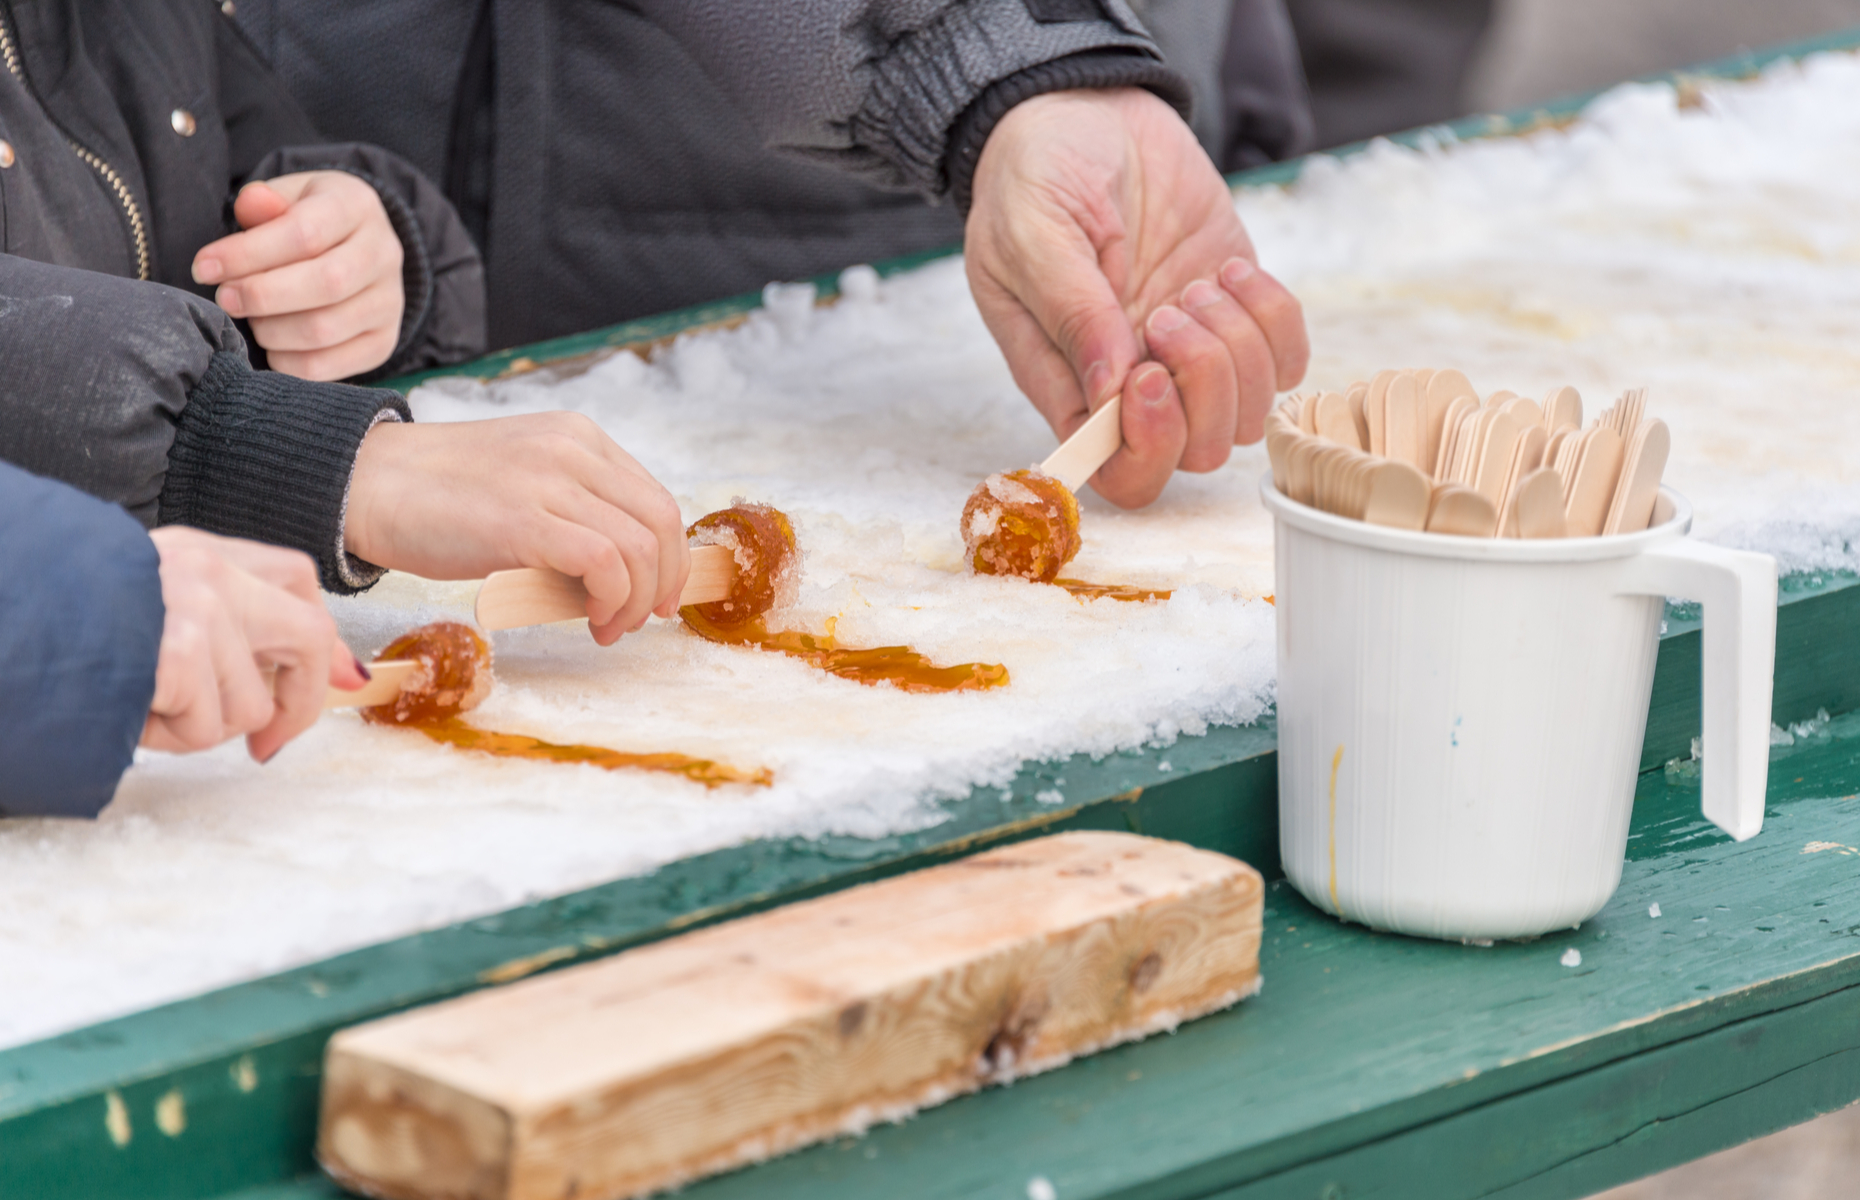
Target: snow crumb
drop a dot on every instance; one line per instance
(1703, 252)
(1041, 1188)
(1050, 796)
(1572, 957)
(1653, 910)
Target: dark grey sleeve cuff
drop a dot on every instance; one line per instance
(1097, 69)
(267, 456)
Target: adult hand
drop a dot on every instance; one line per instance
(316, 272)
(1101, 234)
(246, 645)
(460, 500)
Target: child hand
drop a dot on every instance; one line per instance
(460, 500)
(246, 645)
(316, 272)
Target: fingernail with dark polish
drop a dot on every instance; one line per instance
(362, 669)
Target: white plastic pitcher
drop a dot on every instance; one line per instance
(1460, 719)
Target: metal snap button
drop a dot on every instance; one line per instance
(6, 154)
(183, 122)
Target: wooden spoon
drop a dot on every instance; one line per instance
(535, 596)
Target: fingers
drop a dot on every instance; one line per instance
(1277, 313)
(357, 356)
(1204, 376)
(315, 224)
(1155, 430)
(184, 714)
(300, 639)
(259, 202)
(635, 492)
(317, 286)
(1248, 355)
(247, 646)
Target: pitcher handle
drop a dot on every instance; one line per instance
(1738, 592)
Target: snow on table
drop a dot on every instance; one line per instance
(1711, 254)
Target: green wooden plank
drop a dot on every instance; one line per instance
(1374, 1065)
(1218, 791)
(1817, 663)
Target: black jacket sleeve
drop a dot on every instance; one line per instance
(875, 87)
(141, 395)
(268, 135)
(80, 588)
(444, 319)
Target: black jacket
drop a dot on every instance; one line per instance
(625, 157)
(129, 126)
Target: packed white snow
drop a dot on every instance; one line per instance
(1708, 254)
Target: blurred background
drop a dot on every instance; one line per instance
(1379, 66)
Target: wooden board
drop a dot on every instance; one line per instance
(701, 1053)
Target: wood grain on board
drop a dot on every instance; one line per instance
(723, 1046)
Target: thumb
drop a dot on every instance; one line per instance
(257, 204)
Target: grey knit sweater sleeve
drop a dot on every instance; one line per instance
(876, 87)
(141, 394)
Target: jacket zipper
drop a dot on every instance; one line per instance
(131, 210)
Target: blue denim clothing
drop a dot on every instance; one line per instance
(80, 627)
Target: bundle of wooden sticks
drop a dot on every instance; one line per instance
(1418, 449)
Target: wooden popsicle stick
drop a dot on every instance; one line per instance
(1461, 512)
(1562, 409)
(1405, 421)
(1375, 411)
(389, 678)
(1528, 456)
(536, 596)
(1472, 427)
(1443, 390)
(1524, 411)
(1539, 506)
(1458, 409)
(1398, 496)
(1495, 452)
(1278, 452)
(1639, 484)
(1357, 395)
(637, 1073)
(1300, 470)
(1594, 487)
(1092, 445)
(1568, 455)
(1334, 420)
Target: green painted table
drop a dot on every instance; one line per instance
(1370, 1065)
